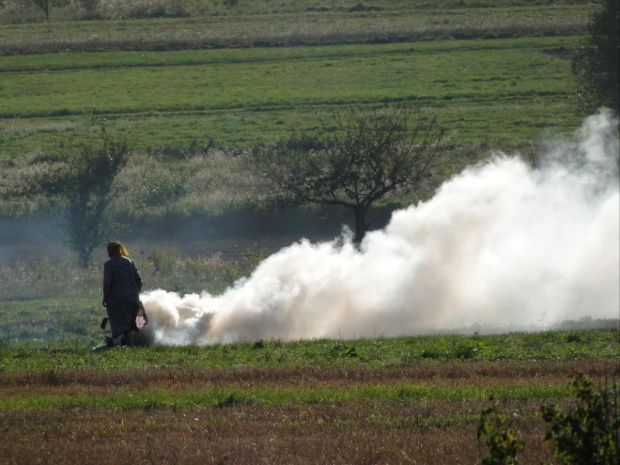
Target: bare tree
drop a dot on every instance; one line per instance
(45, 6)
(357, 158)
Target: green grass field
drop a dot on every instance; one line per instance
(46, 333)
(238, 73)
(191, 84)
(500, 90)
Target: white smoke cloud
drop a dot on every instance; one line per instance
(499, 245)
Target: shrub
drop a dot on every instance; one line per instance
(468, 349)
(164, 259)
(589, 432)
(501, 440)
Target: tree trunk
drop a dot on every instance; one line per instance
(84, 257)
(360, 224)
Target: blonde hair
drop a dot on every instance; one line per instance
(117, 248)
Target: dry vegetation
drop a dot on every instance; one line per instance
(323, 29)
(349, 434)
(476, 374)
(407, 431)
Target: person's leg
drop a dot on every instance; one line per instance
(129, 338)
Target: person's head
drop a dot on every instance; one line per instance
(116, 248)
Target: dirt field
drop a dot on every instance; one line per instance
(422, 431)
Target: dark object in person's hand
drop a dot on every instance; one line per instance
(104, 322)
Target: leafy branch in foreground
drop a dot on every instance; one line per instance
(357, 158)
(501, 440)
(589, 432)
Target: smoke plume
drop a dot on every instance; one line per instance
(501, 245)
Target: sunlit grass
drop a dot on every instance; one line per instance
(475, 75)
(241, 97)
(70, 350)
(404, 393)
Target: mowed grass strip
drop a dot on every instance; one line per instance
(187, 389)
(127, 59)
(409, 418)
(473, 74)
(508, 90)
(416, 415)
(154, 399)
(505, 127)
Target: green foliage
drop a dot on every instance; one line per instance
(468, 349)
(37, 333)
(501, 441)
(163, 259)
(161, 189)
(589, 432)
(597, 64)
(342, 350)
(253, 258)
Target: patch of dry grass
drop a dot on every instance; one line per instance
(292, 29)
(414, 430)
(449, 373)
(320, 433)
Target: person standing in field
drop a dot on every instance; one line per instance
(121, 293)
